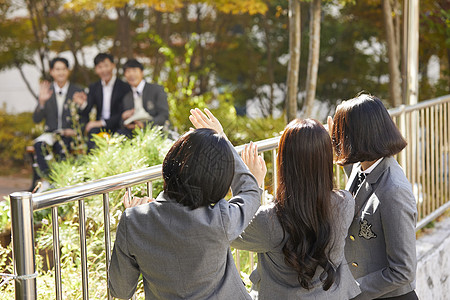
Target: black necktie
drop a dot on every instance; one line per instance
(360, 177)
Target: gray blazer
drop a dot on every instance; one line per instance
(381, 244)
(50, 110)
(276, 280)
(183, 253)
(154, 100)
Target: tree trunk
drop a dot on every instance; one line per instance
(38, 35)
(448, 65)
(124, 33)
(203, 78)
(392, 45)
(24, 78)
(270, 65)
(313, 56)
(294, 61)
(397, 28)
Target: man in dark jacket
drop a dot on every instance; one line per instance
(106, 95)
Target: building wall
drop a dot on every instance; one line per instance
(433, 266)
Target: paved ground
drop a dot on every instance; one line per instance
(11, 184)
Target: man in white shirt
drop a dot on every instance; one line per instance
(55, 100)
(106, 95)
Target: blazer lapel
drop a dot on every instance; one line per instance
(351, 179)
(367, 187)
(362, 196)
(99, 99)
(114, 93)
(66, 115)
(147, 101)
(53, 108)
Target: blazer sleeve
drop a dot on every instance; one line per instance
(123, 268)
(398, 217)
(119, 91)
(84, 113)
(161, 107)
(256, 237)
(343, 211)
(128, 101)
(115, 119)
(39, 113)
(237, 213)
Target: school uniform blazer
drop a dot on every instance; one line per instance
(154, 101)
(184, 253)
(381, 244)
(95, 98)
(274, 279)
(50, 110)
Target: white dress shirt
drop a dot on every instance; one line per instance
(370, 169)
(60, 94)
(137, 96)
(107, 89)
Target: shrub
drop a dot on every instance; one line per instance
(17, 132)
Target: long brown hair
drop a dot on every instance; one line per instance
(305, 164)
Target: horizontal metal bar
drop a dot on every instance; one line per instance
(116, 182)
(96, 187)
(394, 112)
(120, 181)
(432, 216)
(264, 145)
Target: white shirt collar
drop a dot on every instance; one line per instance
(139, 88)
(110, 82)
(370, 169)
(63, 90)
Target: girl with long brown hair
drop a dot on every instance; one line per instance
(300, 237)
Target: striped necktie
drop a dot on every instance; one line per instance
(360, 177)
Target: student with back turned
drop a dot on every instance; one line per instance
(180, 242)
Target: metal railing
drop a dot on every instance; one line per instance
(425, 160)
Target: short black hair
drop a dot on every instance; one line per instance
(363, 130)
(60, 59)
(132, 63)
(101, 57)
(198, 169)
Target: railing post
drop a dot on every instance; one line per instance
(24, 259)
(402, 128)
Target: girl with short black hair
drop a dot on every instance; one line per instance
(381, 240)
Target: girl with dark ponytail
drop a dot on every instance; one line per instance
(300, 237)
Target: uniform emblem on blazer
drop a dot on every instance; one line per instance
(150, 105)
(365, 230)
